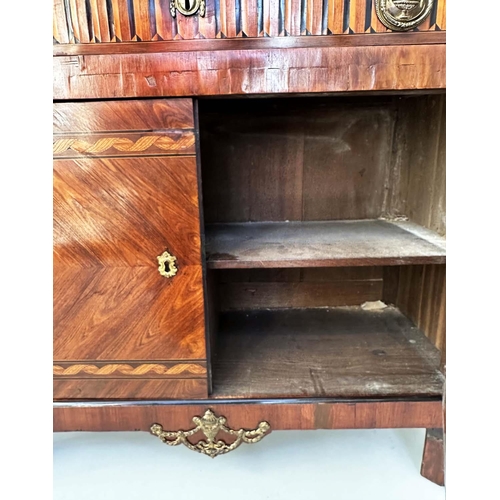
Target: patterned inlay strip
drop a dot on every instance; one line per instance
(126, 369)
(124, 144)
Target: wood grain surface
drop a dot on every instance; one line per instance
(115, 128)
(281, 416)
(418, 182)
(123, 116)
(332, 352)
(112, 218)
(127, 389)
(241, 72)
(433, 457)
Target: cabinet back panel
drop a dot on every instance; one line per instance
(247, 289)
(296, 159)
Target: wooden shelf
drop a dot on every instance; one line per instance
(335, 352)
(321, 244)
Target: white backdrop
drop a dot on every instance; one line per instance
(310, 465)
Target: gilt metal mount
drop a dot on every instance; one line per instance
(187, 7)
(210, 425)
(403, 15)
(166, 265)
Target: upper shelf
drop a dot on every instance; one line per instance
(321, 244)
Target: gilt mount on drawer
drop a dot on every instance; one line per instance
(403, 15)
(300, 229)
(211, 425)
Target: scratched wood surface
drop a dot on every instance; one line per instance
(320, 244)
(104, 21)
(281, 416)
(252, 71)
(112, 217)
(333, 352)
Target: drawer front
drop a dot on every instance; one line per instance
(125, 192)
(148, 22)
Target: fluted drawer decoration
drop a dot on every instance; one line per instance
(210, 425)
(104, 21)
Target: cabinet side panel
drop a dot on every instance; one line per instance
(422, 297)
(418, 185)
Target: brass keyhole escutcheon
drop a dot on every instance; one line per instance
(166, 264)
(187, 7)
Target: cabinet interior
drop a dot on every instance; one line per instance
(312, 207)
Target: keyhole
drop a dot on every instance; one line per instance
(166, 267)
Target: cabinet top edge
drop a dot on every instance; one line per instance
(353, 40)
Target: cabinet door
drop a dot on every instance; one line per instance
(125, 192)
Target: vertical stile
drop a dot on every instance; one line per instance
(123, 22)
(207, 25)
(376, 25)
(230, 18)
(274, 8)
(250, 17)
(104, 18)
(336, 16)
(223, 18)
(164, 20)
(142, 20)
(99, 24)
(266, 7)
(75, 21)
(292, 17)
(441, 14)
(237, 18)
(357, 16)
(368, 16)
(60, 26)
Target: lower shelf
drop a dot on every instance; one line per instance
(343, 352)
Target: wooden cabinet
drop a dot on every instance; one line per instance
(249, 232)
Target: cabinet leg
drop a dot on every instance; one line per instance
(433, 458)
